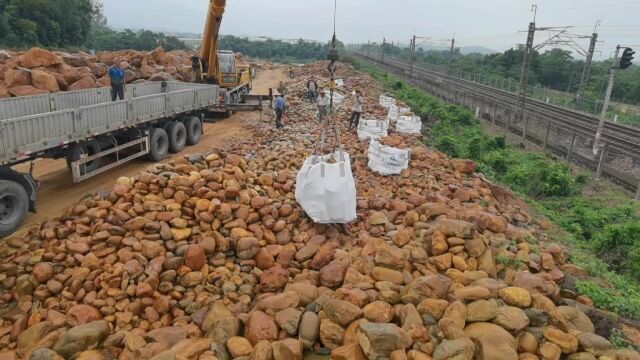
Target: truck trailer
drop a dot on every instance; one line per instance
(94, 134)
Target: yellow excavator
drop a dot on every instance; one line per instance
(220, 67)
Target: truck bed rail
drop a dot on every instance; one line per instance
(33, 124)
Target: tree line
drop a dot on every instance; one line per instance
(80, 24)
(71, 24)
(276, 50)
(556, 69)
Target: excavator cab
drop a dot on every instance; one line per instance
(231, 72)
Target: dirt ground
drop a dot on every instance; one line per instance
(57, 192)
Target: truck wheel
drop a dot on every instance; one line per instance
(194, 130)
(14, 205)
(91, 147)
(158, 144)
(177, 133)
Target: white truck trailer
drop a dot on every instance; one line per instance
(94, 134)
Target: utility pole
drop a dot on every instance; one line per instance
(524, 74)
(607, 97)
(453, 43)
(586, 71)
(452, 50)
(412, 48)
(384, 43)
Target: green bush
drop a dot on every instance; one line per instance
(448, 145)
(624, 301)
(539, 178)
(619, 245)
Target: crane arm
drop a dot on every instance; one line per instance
(208, 51)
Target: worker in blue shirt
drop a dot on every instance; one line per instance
(280, 106)
(117, 76)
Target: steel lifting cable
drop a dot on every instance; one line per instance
(333, 56)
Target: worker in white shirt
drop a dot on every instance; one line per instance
(357, 109)
(323, 105)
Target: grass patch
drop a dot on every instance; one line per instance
(602, 227)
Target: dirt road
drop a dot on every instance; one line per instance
(57, 192)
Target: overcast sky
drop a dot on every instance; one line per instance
(493, 24)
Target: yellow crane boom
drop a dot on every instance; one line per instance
(219, 66)
(209, 49)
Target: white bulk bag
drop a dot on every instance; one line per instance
(404, 110)
(387, 160)
(409, 125)
(338, 98)
(393, 113)
(372, 129)
(387, 101)
(327, 192)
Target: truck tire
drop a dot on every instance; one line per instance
(158, 144)
(14, 205)
(194, 130)
(90, 147)
(177, 133)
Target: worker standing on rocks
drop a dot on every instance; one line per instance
(357, 109)
(281, 88)
(280, 108)
(323, 105)
(117, 76)
(312, 87)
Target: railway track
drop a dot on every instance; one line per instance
(586, 124)
(621, 140)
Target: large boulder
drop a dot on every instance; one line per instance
(32, 336)
(17, 77)
(309, 329)
(82, 314)
(578, 321)
(594, 344)
(534, 283)
(260, 326)
(99, 69)
(44, 81)
(492, 342)
(430, 286)
(511, 318)
(75, 60)
(5, 55)
(4, 92)
(287, 349)
(464, 166)
(37, 57)
(379, 340)
(74, 74)
(25, 90)
(461, 348)
(161, 76)
(88, 82)
(158, 54)
(82, 337)
(341, 312)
